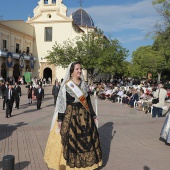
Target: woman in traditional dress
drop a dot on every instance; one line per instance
(30, 94)
(73, 142)
(165, 133)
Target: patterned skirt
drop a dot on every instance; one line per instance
(77, 146)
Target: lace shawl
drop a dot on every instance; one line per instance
(61, 99)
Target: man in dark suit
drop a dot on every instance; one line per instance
(55, 91)
(4, 88)
(9, 101)
(17, 94)
(39, 96)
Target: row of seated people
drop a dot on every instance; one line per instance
(142, 98)
(127, 96)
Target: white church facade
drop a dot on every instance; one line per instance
(29, 42)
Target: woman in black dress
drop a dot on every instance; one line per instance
(73, 142)
(30, 94)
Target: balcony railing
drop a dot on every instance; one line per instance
(16, 55)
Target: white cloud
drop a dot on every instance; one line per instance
(112, 19)
(141, 16)
(131, 38)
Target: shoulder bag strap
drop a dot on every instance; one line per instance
(158, 93)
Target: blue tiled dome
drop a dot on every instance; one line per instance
(81, 18)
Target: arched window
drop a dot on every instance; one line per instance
(53, 1)
(45, 1)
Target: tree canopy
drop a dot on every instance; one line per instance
(93, 50)
(162, 38)
(145, 59)
(162, 44)
(163, 8)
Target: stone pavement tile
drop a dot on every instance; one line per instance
(8, 144)
(129, 159)
(144, 154)
(129, 138)
(25, 151)
(117, 164)
(35, 149)
(150, 141)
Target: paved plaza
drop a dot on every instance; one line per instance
(129, 138)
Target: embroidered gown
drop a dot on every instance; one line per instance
(165, 132)
(77, 146)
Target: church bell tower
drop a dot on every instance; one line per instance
(49, 5)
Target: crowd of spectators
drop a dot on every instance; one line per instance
(133, 93)
(35, 82)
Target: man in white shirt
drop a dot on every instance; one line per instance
(108, 93)
(118, 94)
(160, 93)
(39, 95)
(9, 101)
(4, 87)
(17, 94)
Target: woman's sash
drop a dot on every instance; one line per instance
(79, 94)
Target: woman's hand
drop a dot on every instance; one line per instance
(59, 125)
(95, 119)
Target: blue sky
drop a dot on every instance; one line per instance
(126, 20)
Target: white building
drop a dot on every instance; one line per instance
(36, 37)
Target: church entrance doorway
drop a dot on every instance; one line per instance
(3, 71)
(27, 67)
(16, 71)
(47, 73)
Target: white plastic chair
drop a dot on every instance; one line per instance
(119, 99)
(135, 104)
